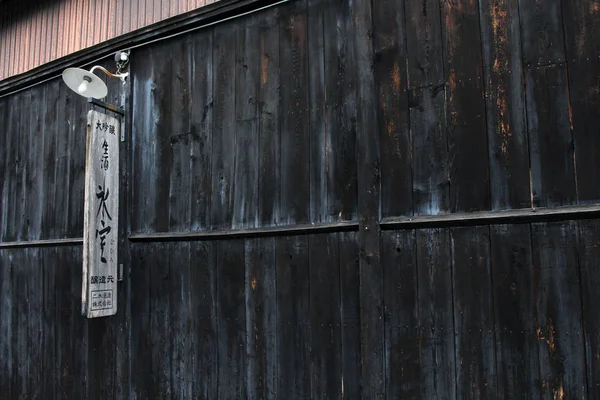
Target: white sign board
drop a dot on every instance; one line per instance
(101, 216)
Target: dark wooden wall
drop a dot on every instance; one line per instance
(283, 179)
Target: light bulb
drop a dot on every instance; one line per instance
(83, 87)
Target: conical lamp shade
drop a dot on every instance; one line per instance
(85, 83)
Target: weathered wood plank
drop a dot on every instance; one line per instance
(294, 83)
(589, 254)
(24, 168)
(340, 113)
(180, 134)
(424, 43)
(161, 319)
(7, 305)
(201, 121)
(261, 319)
(247, 75)
(550, 140)
(435, 305)
(402, 344)
(203, 311)
(541, 32)
(231, 314)
(350, 312)
(514, 312)
(326, 335)
(465, 108)
(183, 339)
(508, 147)
(476, 370)
(49, 160)
(558, 308)
(62, 157)
(10, 200)
(142, 382)
(269, 111)
(143, 130)
(223, 138)
(293, 318)
(391, 78)
(319, 114)
(49, 357)
(369, 173)
(4, 165)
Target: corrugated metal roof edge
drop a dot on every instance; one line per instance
(213, 13)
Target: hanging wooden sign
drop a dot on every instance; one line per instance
(101, 216)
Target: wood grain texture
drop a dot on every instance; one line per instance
(476, 369)
(508, 146)
(559, 327)
(514, 312)
(391, 78)
(436, 314)
(402, 341)
(465, 108)
(589, 246)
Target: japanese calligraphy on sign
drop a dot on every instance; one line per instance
(101, 216)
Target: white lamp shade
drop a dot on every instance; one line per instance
(75, 78)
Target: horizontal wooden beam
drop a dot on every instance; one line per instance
(528, 215)
(42, 243)
(290, 230)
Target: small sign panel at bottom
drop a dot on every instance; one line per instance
(102, 300)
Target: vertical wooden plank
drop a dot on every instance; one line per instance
(231, 312)
(19, 327)
(293, 317)
(62, 155)
(326, 338)
(268, 109)
(245, 185)
(350, 312)
(589, 254)
(142, 382)
(224, 134)
(476, 372)
(201, 126)
(143, 131)
(23, 168)
(550, 140)
(49, 157)
(71, 329)
(4, 167)
(581, 23)
(10, 141)
(508, 147)
(181, 319)
(12, 189)
(36, 170)
(101, 356)
(542, 32)
(465, 108)
(319, 121)
(35, 313)
(514, 312)
(295, 170)
(6, 322)
(161, 318)
(77, 144)
(180, 136)
(261, 319)
(340, 113)
(203, 278)
(48, 344)
(402, 345)
(391, 78)
(368, 172)
(426, 102)
(558, 307)
(435, 304)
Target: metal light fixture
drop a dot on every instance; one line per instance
(87, 84)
